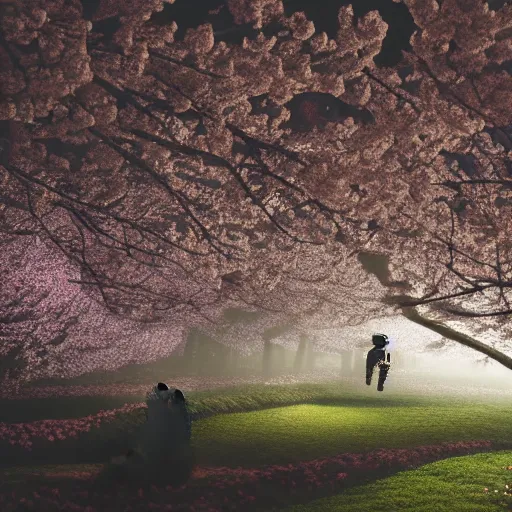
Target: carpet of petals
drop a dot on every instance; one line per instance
(11, 391)
(225, 488)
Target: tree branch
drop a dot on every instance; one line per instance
(468, 341)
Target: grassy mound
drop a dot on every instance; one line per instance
(303, 432)
(451, 485)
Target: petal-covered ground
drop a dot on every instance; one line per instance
(141, 387)
(215, 488)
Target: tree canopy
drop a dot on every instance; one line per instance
(178, 174)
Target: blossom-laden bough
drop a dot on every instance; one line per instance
(159, 167)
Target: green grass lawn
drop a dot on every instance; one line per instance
(451, 485)
(305, 421)
(327, 420)
(301, 432)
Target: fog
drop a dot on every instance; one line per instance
(425, 362)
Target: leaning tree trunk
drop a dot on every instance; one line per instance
(411, 314)
(378, 266)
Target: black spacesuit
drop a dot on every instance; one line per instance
(165, 441)
(378, 356)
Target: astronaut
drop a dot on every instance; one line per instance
(167, 414)
(378, 356)
(163, 452)
(165, 440)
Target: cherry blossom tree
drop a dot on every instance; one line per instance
(466, 239)
(321, 285)
(37, 307)
(52, 327)
(179, 176)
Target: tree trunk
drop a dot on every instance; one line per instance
(190, 350)
(299, 355)
(352, 362)
(234, 361)
(412, 315)
(359, 363)
(378, 266)
(270, 334)
(310, 356)
(267, 359)
(346, 362)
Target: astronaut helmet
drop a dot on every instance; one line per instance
(178, 397)
(162, 391)
(380, 340)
